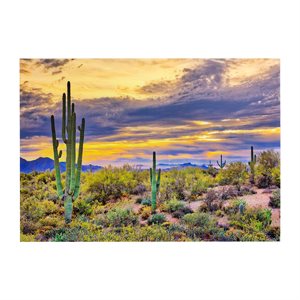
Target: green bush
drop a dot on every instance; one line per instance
(82, 207)
(146, 202)
(117, 217)
(275, 199)
(275, 174)
(181, 212)
(157, 219)
(172, 205)
(252, 225)
(201, 225)
(110, 183)
(268, 169)
(235, 173)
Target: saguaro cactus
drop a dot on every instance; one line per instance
(155, 183)
(252, 166)
(72, 184)
(221, 164)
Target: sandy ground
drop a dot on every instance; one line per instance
(259, 200)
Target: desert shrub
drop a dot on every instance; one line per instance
(172, 185)
(184, 184)
(274, 233)
(197, 181)
(228, 192)
(35, 210)
(51, 221)
(152, 233)
(157, 219)
(146, 202)
(268, 169)
(212, 171)
(268, 160)
(67, 234)
(120, 217)
(110, 183)
(235, 173)
(201, 225)
(275, 199)
(181, 212)
(252, 224)
(139, 189)
(219, 213)
(27, 237)
(212, 201)
(82, 207)
(235, 206)
(145, 212)
(275, 174)
(28, 226)
(198, 219)
(172, 205)
(263, 180)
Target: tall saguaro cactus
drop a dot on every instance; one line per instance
(155, 183)
(221, 164)
(72, 184)
(252, 166)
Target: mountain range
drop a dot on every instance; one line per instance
(43, 164)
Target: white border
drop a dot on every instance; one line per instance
(94, 29)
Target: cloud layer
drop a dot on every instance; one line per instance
(205, 107)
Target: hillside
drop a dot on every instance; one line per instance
(43, 164)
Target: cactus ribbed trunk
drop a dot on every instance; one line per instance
(72, 185)
(155, 183)
(252, 166)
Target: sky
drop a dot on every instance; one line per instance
(187, 110)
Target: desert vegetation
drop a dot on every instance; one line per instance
(238, 202)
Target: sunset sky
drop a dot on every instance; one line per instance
(187, 110)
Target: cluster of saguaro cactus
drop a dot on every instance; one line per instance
(252, 165)
(221, 164)
(155, 183)
(72, 185)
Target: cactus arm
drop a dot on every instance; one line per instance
(64, 138)
(218, 163)
(158, 179)
(79, 159)
(56, 160)
(69, 104)
(73, 152)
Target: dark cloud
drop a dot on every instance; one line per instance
(52, 63)
(56, 72)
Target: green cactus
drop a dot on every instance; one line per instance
(252, 166)
(155, 183)
(72, 185)
(221, 164)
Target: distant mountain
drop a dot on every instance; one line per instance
(42, 164)
(181, 166)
